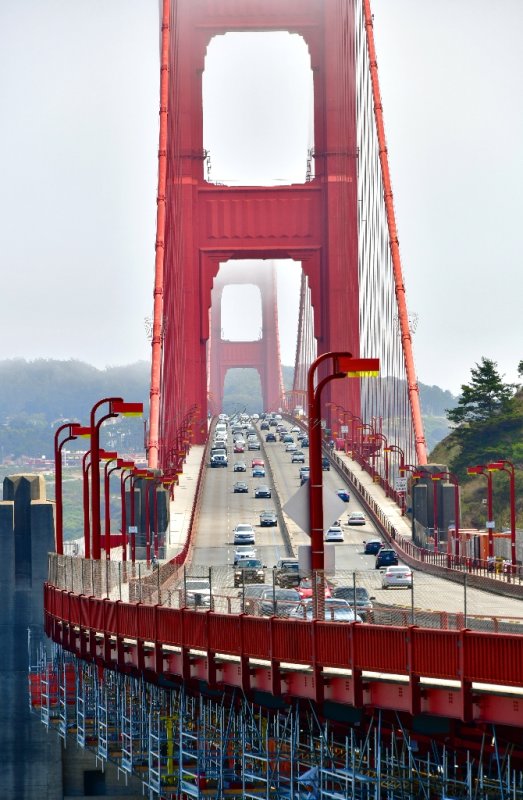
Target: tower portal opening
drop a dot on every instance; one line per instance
(242, 391)
(258, 109)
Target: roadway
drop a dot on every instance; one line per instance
(222, 509)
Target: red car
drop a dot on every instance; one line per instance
(305, 589)
(257, 462)
(239, 448)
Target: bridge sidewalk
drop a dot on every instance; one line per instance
(389, 507)
(182, 504)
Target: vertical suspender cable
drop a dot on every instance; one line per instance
(421, 450)
(156, 344)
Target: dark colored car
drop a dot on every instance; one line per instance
(264, 426)
(252, 594)
(373, 546)
(325, 463)
(249, 570)
(363, 600)
(287, 572)
(268, 519)
(344, 495)
(262, 491)
(278, 602)
(305, 442)
(240, 487)
(271, 437)
(386, 558)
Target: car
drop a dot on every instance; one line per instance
(297, 457)
(253, 445)
(357, 518)
(363, 599)
(305, 441)
(257, 462)
(344, 495)
(304, 478)
(287, 572)
(262, 491)
(258, 472)
(372, 547)
(251, 595)
(295, 429)
(386, 557)
(396, 576)
(218, 460)
(334, 534)
(286, 438)
(264, 426)
(239, 447)
(239, 466)
(197, 592)
(249, 570)
(268, 519)
(335, 611)
(244, 551)
(291, 447)
(244, 534)
(305, 470)
(278, 602)
(325, 463)
(271, 437)
(240, 487)
(305, 589)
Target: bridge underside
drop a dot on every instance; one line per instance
(193, 740)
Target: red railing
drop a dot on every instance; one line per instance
(463, 656)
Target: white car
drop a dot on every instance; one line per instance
(396, 576)
(291, 447)
(335, 611)
(295, 429)
(244, 534)
(197, 592)
(356, 518)
(334, 534)
(244, 551)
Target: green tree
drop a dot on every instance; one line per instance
(484, 397)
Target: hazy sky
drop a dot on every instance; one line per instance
(78, 157)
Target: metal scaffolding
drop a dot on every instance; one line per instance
(193, 744)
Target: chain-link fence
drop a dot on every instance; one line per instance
(366, 595)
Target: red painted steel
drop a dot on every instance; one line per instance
(460, 656)
(262, 354)
(156, 343)
(314, 223)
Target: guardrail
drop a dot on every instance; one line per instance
(218, 588)
(480, 574)
(463, 656)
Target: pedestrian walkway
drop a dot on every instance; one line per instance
(363, 481)
(181, 507)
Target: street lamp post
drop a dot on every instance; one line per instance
(506, 466)
(117, 407)
(343, 365)
(394, 448)
(126, 471)
(481, 469)
(383, 438)
(107, 458)
(72, 429)
(86, 465)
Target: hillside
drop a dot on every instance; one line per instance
(35, 395)
(501, 438)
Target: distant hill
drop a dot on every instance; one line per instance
(34, 395)
(500, 438)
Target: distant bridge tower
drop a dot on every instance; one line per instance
(262, 354)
